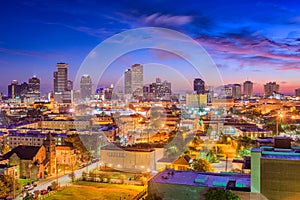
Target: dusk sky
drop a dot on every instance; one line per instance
(254, 40)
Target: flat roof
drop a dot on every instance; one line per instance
(204, 179)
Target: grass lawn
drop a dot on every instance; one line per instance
(97, 191)
(24, 181)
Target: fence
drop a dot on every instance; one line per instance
(141, 195)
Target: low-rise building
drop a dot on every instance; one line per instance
(15, 138)
(65, 155)
(31, 161)
(178, 185)
(130, 159)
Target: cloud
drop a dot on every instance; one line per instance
(158, 19)
(249, 50)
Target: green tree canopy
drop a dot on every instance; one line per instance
(7, 185)
(5, 149)
(220, 194)
(201, 165)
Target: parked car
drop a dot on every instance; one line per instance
(43, 192)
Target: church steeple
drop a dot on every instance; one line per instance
(50, 145)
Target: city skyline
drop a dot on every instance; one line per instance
(256, 41)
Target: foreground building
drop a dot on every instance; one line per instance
(178, 185)
(275, 171)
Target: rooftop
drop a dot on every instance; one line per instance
(204, 179)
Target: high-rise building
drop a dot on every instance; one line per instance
(127, 82)
(13, 90)
(297, 92)
(248, 89)
(34, 87)
(55, 83)
(269, 88)
(62, 77)
(161, 90)
(69, 85)
(199, 86)
(137, 82)
(85, 86)
(226, 91)
(236, 91)
(62, 86)
(133, 80)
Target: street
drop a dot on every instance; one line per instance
(63, 180)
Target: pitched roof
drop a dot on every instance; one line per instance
(182, 160)
(23, 152)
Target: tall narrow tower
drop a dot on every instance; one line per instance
(127, 82)
(85, 86)
(50, 145)
(62, 77)
(137, 77)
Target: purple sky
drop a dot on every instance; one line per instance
(254, 40)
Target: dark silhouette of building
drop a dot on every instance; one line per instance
(199, 86)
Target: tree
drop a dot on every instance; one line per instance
(7, 185)
(220, 194)
(72, 176)
(201, 165)
(5, 149)
(211, 156)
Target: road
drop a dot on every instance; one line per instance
(63, 180)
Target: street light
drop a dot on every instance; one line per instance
(279, 117)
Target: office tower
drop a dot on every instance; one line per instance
(69, 85)
(248, 89)
(137, 80)
(161, 90)
(127, 83)
(85, 86)
(236, 91)
(297, 92)
(34, 87)
(133, 80)
(62, 77)
(13, 90)
(210, 94)
(62, 86)
(269, 88)
(55, 83)
(199, 86)
(227, 91)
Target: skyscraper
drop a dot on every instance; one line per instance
(248, 89)
(236, 91)
(161, 90)
(62, 77)
(133, 80)
(137, 76)
(269, 88)
(55, 83)
(34, 87)
(62, 86)
(199, 86)
(127, 83)
(85, 86)
(13, 89)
